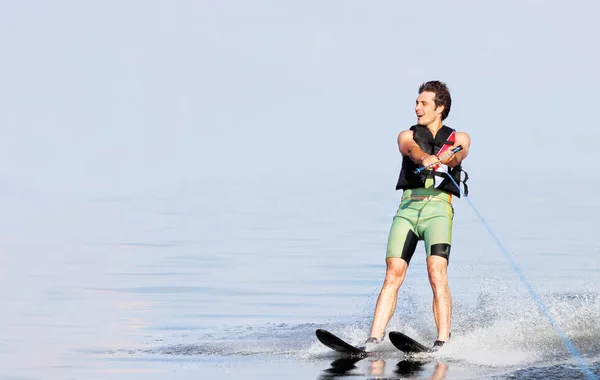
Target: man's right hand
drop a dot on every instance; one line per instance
(429, 160)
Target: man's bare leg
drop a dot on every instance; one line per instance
(442, 299)
(386, 302)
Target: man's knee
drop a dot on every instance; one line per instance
(395, 271)
(436, 270)
(437, 278)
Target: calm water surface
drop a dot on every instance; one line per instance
(229, 279)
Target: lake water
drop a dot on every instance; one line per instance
(230, 279)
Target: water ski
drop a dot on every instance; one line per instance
(406, 344)
(338, 344)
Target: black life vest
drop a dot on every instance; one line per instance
(431, 145)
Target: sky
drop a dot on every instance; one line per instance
(122, 96)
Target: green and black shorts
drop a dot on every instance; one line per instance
(423, 214)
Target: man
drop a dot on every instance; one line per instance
(425, 211)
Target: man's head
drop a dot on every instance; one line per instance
(433, 102)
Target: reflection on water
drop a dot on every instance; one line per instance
(340, 368)
(376, 369)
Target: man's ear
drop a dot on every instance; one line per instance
(439, 110)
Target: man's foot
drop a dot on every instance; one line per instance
(437, 345)
(371, 343)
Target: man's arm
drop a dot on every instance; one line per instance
(409, 148)
(461, 139)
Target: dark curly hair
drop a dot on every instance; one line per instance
(442, 95)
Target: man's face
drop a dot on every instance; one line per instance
(426, 110)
